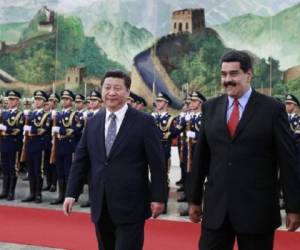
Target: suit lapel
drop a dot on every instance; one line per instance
(221, 112)
(123, 132)
(99, 129)
(248, 113)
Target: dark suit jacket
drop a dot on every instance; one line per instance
(123, 175)
(243, 171)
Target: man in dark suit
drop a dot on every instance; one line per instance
(118, 146)
(244, 139)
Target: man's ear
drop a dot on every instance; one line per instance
(249, 74)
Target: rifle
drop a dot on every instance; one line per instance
(54, 143)
(25, 142)
(1, 121)
(189, 148)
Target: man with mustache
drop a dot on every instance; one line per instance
(244, 140)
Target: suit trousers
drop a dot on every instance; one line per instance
(113, 236)
(224, 238)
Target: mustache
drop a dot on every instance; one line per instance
(230, 83)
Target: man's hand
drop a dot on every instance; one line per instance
(195, 213)
(157, 208)
(292, 221)
(68, 205)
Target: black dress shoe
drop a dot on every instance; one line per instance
(47, 188)
(52, 189)
(38, 199)
(86, 204)
(30, 198)
(57, 202)
(165, 210)
(10, 197)
(184, 213)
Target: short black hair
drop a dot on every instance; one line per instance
(118, 74)
(242, 57)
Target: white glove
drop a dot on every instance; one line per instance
(26, 112)
(3, 127)
(191, 134)
(55, 129)
(188, 117)
(85, 114)
(53, 114)
(182, 114)
(27, 128)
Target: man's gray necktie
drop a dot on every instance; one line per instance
(111, 133)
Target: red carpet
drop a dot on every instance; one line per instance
(50, 228)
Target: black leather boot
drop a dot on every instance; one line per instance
(32, 185)
(38, 193)
(48, 182)
(12, 187)
(53, 182)
(61, 193)
(5, 187)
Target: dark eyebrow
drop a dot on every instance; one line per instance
(229, 72)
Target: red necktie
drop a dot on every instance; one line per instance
(234, 118)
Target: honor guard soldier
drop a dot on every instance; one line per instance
(132, 99)
(96, 102)
(67, 128)
(1, 111)
(193, 123)
(182, 144)
(38, 128)
(291, 105)
(11, 130)
(49, 168)
(142, 104)
(80, 113)
(166, 124)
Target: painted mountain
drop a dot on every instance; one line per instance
(11, 32)
(121, 42)
(154, 15)
(42, 58)
(277, 36)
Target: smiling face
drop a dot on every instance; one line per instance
(234, 80)
(114, 93)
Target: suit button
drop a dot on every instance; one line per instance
(229, 164)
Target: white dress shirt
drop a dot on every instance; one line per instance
(120, 114)
(243, 100)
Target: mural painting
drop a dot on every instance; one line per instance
(166, 45)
